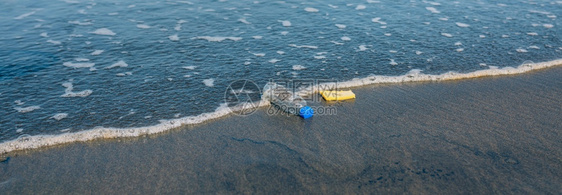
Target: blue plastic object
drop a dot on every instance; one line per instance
(306, 112)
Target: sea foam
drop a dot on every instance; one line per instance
(218, 39)
(27, 109)
(310, 9)
(303, 46)
(143, 26)
(60, 116)
(25, 15)
(209, 82)
(103, 31)
(432, 10)
(69, 93)
(121, 63)
(78, 65)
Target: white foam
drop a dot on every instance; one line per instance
(121, 63)
(447, 35)
(392, 51)
(298, 67)
(337, 43)
(444, 19)
(25, 15)
(257, 37)
(96, 52)
(458, 43)
(285, 23)
(432, 3)
(190, 67)
(209, 82)
(373, 1)
(360, 7)
(534, 47)
(81, 59)
(388, 34)
(362, 48)
(44, 34)
(124, 74)
(273, 61)
(60, 116)
(174, 37)
(78, 65)
(459, 49)
(341, 26)
(303, 46)
(532, 34)
(143, 26)
(432, 10)
(505, 36)
(38, 141)
(259, 54)
(392, 62)
(18, 102)
(416, 75)
(463, 25)
(310, 9)
(539, 12)
(482, 36)
(54, 42)
(521, 50)
(80, 23)
(378, 20)
(548, 25)
(218, 39)
(178, 25)
(185, 2)
(103, 31)
(27, 109)
(319, 57)
(345, 38)
(280, 52)
(418, 52)
(68, 91)
(243, 20)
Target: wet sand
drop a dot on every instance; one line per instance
(476, 136)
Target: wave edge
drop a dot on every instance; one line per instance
(39, 141)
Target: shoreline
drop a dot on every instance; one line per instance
(482, 135)
(40, 141)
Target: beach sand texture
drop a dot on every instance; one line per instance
(478, 136)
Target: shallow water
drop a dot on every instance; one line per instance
(69, 66)
(479, 136)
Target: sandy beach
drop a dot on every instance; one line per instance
(476, 136)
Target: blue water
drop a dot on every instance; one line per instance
(167, 64)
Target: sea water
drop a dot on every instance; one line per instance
(74, 70)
